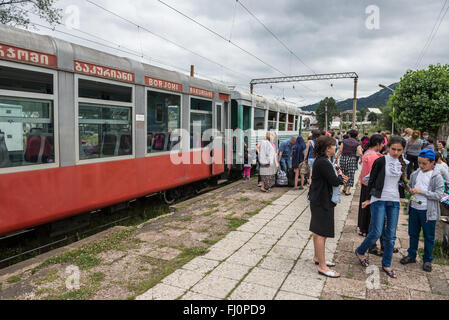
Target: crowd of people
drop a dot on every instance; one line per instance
(411, 166)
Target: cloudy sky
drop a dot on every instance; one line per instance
(327, 35)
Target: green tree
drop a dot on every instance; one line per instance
(362, 114)
(16, 12)
(331, 111)
(421, 100)
(386, 120)
(372, 117)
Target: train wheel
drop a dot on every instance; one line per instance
(170, 196)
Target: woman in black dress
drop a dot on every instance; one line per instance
(324, 195)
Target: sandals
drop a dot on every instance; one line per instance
(390, 273)
(328, 263)
(363, 262)
(330, 274)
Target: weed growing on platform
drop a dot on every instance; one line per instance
(48, 278)
(440, 257)
(14, 279)
(163, 268)
(85, 257)
(235, 223)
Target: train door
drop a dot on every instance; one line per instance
(218, 154)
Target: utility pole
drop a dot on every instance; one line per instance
(354, 116)
(325, 124)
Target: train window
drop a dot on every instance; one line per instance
(272, 120)
(282, 121)
(104, 91)
(25, 80)
(200, 105)
(259, 119)
(200, 121)
(246, 118)
(104, 131)
(291, 122)
(26, 132)
(163, 117)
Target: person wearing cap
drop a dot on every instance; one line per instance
(427, 187)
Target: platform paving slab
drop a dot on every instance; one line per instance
(270, 258)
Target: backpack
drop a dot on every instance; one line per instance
(281, 179)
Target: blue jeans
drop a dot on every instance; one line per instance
(380, 210)
(417, 220)
(285, 165)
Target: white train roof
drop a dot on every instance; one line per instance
(67, 52)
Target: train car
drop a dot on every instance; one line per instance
(82, 129)
(255, 115)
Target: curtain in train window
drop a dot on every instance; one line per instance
(104, 131)
(163, 118)
(26, 132)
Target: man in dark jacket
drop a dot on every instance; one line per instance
(297, 159)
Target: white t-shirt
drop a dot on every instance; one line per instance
(393, 173)
(422, 183)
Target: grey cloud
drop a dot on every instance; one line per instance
(328, 35)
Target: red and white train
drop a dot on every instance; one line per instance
(81, 129)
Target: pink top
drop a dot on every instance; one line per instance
(368, 160)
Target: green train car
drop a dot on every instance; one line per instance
(253, 116)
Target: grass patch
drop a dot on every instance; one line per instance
(85, 292)
(214, 205)
(209, 213)
(253, 213)
(14, 279)
(85, 257)
(235, 223)
(243, 199)
(439, 256)
(210, 242)
(186, 219)
(163, 268)
(50, 277)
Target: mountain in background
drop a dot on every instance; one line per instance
(378, 99)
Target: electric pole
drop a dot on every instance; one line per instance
(325, 124)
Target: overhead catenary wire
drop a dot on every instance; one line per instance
(432, 34)
(126, 50)
(166, 39)
(221, 36)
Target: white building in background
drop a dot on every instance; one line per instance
(374, 110)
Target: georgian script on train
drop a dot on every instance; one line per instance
(104, 72)
(24, 55)
(202, 93)
(162, 84)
